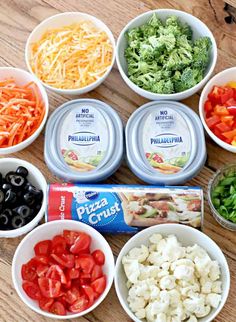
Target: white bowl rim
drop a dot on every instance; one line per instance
(174, 95)
(23, 144)
(75, 90)
(36, 173)
(93, 232)
(151, 229)
(205, 90)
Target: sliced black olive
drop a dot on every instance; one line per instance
(17, 181)
(1, 179)
(17, 222)
(23, 211)
(9, 175)
(2, 196)
(3, 221)
(37, 192)
(10, 197)
(22, 171)
(29, 198)
(6, 186)
(8, 212)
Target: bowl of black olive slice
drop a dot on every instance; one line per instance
(22, 197)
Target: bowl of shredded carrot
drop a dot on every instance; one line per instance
(70, 53)
(23, 109)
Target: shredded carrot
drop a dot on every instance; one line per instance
(72, 56)
(21, 112)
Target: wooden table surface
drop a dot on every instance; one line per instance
(17, 20)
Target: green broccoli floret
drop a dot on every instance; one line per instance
(201, 49)
(163, 58)
(189, 78)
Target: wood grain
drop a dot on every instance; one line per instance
(17, 19)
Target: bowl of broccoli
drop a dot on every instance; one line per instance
(166, 54)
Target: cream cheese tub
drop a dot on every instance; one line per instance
(83, 141)
(165, 143)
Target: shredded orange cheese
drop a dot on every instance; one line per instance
(72, 56)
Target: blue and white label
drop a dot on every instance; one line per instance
(84, 138)
(166, 140)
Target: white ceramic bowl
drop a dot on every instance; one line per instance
(199, 30)
(25, 252)
(65, 19)
(22, 77)
(37, 179)
(187, 236)
(220, 79)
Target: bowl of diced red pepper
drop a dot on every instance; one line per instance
(217, 108)
(63, 269)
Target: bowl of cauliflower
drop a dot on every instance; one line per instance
(166, 54)
(172, 273)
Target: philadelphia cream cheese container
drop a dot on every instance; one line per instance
(165, 143)
(83, 141)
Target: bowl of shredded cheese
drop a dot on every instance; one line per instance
(70, 53)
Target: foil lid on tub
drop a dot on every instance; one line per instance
(124, 208)
(83, 141)
(165, 143)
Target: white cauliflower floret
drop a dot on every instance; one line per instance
(161, 317)
(162, 274)
(216, 287)
(155, 238)
(172, 250)
(214, 273)
(161, 245)
(190, 289)
(154, 292)
(136, 303)
(203, 265)
(152, 248)
(165, 265)
(213, 300)
(167, 282)
(175, 299)
(156, 258)
(195, 251)
(182, 261)
(148, 272)
(183, 272)
(138, 253)
(192, 318)
(132, 270)
(206, 285)
(178, 312)
(141, 314)
(140, 289)
(193, 303)
(200, 312)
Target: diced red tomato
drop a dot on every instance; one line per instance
(57, 308)
(42, 270)
(32, 290)
(81, 243)
(227, 94)
(96, 272)
(72, 295)
(99, 257)
(49, 288)
(45, 303)
(55, 272)
(212, 121)
(80, 305)
(66, 260)
(230, 102)
(70, 236)
(64, 274)
(220, 110)
(72, 273)
(58, 245)
(29, 270)
(99, 285)
(85, 262)
(42, 259)
(43, 248)
(90, 294)
(215, 95)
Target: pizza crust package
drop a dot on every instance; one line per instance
(124, 208)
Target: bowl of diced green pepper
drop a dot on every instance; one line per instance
(222, 196)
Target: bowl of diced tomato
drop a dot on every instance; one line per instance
(217, 108)
(63, 269)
